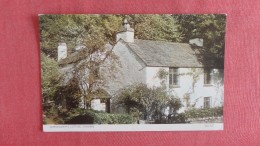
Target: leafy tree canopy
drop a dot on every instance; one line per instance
(155, 27)
(96, 30)
(209, 27)
(92, 31)
(50, 77)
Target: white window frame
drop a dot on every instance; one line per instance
(207, 102)
(174, 77)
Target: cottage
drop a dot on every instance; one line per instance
(196, 84)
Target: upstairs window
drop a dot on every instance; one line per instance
(208, 76)
(173, 77)
(206, 102)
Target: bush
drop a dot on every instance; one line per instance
(205, 112)
(178, 118)
(81, 119)
(172, 119)
(149, 103)
(68, 96)
(94, 117)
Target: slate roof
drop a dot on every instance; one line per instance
(165, 54)
(78, 55)
(155, 54)
(74, 57)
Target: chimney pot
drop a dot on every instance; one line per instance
(62, 51)
(126, 33)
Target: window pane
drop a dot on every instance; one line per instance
(175, 79)
(175, 71)
(173, 76)
(206, 102)
(207, 76)
(170, 79)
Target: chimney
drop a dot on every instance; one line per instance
(196, 41)
(126, 33)
(62, 51)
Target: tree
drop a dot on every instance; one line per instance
(76, 29)
(57, 28)
(99, 33)
(50, 83)
(68, 96)
(50, 78)
(209, 27)
(155, 27)
(92, 31)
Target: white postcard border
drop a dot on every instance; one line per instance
(133, 127)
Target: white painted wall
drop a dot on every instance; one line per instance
(131, 70)
(127, 36)
(198, 92)
(152, 79)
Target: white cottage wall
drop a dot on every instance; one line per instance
(152, 79)
(131, 69)
(196, 91)
(127, 36)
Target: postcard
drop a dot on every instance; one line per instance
(134, 72)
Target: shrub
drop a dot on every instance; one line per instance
(204, 112)
(68, 96)
(81, 119)
(178, 118)
(94, 117)
(149, 103)
(172, 119)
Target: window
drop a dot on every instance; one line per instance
(173, 77)
(208, 76)
(206, 102)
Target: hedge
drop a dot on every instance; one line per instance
(94, 117)
(204, 112)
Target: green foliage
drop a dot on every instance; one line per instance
(155, 27)
(68, 96)
(54, 95)
(209, 27)
(57, 28)
(178, 118)
(91, 30)
(135, 113)
(50, 76)
(174, 104)
(162, 74)
(94, 117)
(94, 31)
(50, 83)
(204, 112)
(147, 102)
